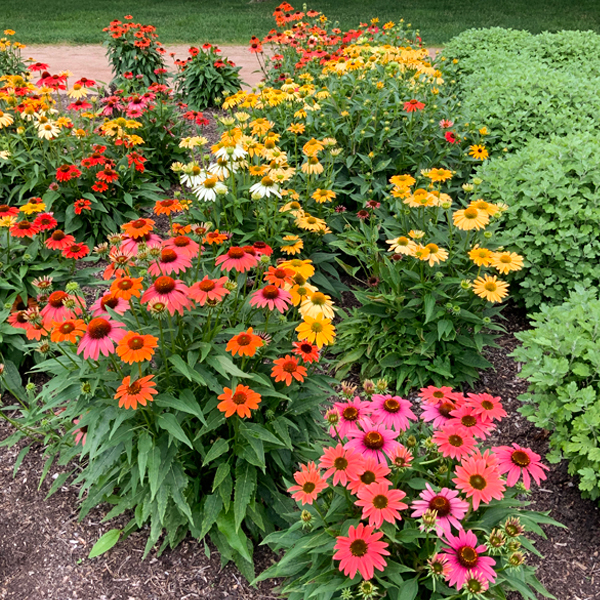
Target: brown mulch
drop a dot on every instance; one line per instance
(43, 547)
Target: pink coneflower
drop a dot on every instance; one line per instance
(488, 407)
(468, 418)
(479, 480)
(109, 300)
(171, 292)
(56, 310)
(170, 261)
(464, 558)
(454, 441)
(379, 503)
(342, 463)
(376, 441)
(208, 289)
(518, 460)
(100, 338)
(310, 484)
(361, 551)
(401, 457)
(80, 433)
(438, 413)
(236, 258)
(446, 124)
(449, 507)
(272, 297)
(131, 245)
(394, 412)
(370, 472)
(352, 413)
(183, 244)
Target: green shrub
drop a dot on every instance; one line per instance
(561, 360)
(552, 188)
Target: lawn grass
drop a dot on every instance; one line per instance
(234, 21)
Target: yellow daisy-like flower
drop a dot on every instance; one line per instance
(402, 181)
(478, 152)
(310, 223)
(294, 245)
(312, 166)
(7, 221)
(400, 192)
(490, 209)
(436, 254)
(293, 194)
(300, 114)
(258, 170)
(416, 234)
(312, 147)
(506, 262)
(297, 128)
(483, 131)
(294, 207)
(421, 252)
(402, 245)
(317, 304)
(491, 288)
(300, 292)
(193, 142)
(299, 266)
(6, 119)
(322, 196)
(420, 199)
(77, 92)
(470, 218)
(438, 174)
(30, 209)
(317, 331)
(260, 126)
(482, 257)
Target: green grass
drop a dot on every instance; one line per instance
(234, 21)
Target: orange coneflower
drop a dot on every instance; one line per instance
(287, 369)
(166, 207)
(68, 331)
(214, 237)
(127, 287)
(141, 390)
(138, 228)
(245, 343)
(240, 401)
(135, 347)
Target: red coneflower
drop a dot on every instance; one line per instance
(310, 483)
(81, 205)
(138, 228)
(361, 551)
(100, 336)
(45, 221)
(272, 297)
(170, 261)
(239, 401)
(183, 244)
(67, 172)
(8, 211)
(413, 105)
(108, 174)
(166, 207)
(344, 464)
(76, 251)
(379, 503)
(307, 351)
(24, 229)
(59, 240)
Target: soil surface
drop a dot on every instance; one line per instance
(43, 547)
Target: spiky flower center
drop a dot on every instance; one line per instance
(471, 213)
(57, 299)
(110, 301)
(239, 398)
(318, 299)
(350, 413)
(244, 339)
(308, 487)
(168, 256)
(164, 285)
(374, 440)
(125, 284)
(520, 458)
(98, 328)
(236, 252)
(380, 501)
(391, 405)
(359, 548)
(441, 505)
(467, 557)
(478, 482)
(290, 366)
(368, 477)
(24, 225)
(487, 405)
(468, 421)
(134, 388)
(139, 223)
(66, 328)
(306, 348)
(207, 286)
(445, 408)
(455, 440)
(136, 343)
(270, 292)
(181, 241)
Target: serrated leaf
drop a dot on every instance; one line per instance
(245, 484)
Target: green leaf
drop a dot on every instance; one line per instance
(168, 422)
(236, 538)
(219, 447)
(185, 403)
(105, 543)
(144, 446)
(409, 589)
(245, 484)
(224, 364)
(181, 366)
(222, 472)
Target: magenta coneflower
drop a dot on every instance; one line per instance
(454, 441)
(109, 300)
(361, 551)
(171, 292)
(100, 338)
(394, 412)
(342, 463)
(467, 417)
(518, 460)
(449, 507)
(479, 479)
(170, 261)
(464, 557)
(438, 413)
(352, 413)
(380, 503)
(236, 258)
(488, 407)
(183, 244)
(272, 297)
(208, 289)
(376, 441)
(370, 472)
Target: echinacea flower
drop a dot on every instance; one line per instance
(287, 369)
(236, 258)
(76, 251)
(307, 351)
(316, 304)
(272, 297)
(100, 338)
(138, 228)
(467, 416)
(401, 457)
(489, 408)
(239, 401)
(505, 262)
(67, 172)
(394, 412)
(491, 288)
(371, 471)
(482, 257)
(208, 289)
(304, 268)
(310, 484)
(59, 240)
(352, 413)
(380, 503)
(80, 433)
(470, 218)
(465, 557)
(450, 509)
(167, 207)
(126, 287)
(402, 245)
(517, 461)
(24, 229)
(119, 305)
(279, 277)
(479, 480)
(413, 105)
(361, 551)
(316, 330)
(135, 347)
(454, 441)
(170, 261)
(68, 330)
(435, 395)
(45, 222)
(183, 244)
(438, 413)
(293, 244)
(214, 237)
(139, 392)
(245, 343)
(171, 292)
(342, 463)
(375, 440)
(56, 310)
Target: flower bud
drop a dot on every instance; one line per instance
(513, 527)
(332, 416)
(411, 441)
(348, 390)
(368, 387)
(429, 519)
(367, 590)
(465, 284)
(86, 388)
(381, 385)
(477, 180)
(30, 387)
(468, 187)
(72, 287)
(264, 259)
(230, 285)
(516, 559)
(306, 516)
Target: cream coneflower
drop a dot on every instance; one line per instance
(470, 218)
(48, 130)
(312, 166)
(402, 245)
(506, 262)
(316, 304)
(265, 188)
(436, 254)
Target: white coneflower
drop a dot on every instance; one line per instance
(209, 188)
(265, 187)
(192, 175)
(223, 168)
(6, 119)
(230, 153)
(48, 130)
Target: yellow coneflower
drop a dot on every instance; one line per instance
(6, 119)
(312, 166)
(416, 234)
(420, 199)
(322, 196)
(490, 209)
(478, 152)
(438, 174)
(297, 128)
(304, 268)
(77, 91)
(294, 207)
(314, 224)
(482, 257)
(312, 147)
(316, 304)
(436, 254)
(257, 170)
(470, 218)
(491, 288)
(400, 192)
(260, 126)
(506, 262)
(48, 130)
(402, 181)
(317, 331)
(293, 246)
(421, 252)
(402, 245)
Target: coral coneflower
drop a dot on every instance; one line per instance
(76, 251)
(236, 258)
(287, 369)
(239, 401)
(100, 338)
(111, 301)
(342, 463)
(464, 558)
(375, 440)
(24, 229)
(370, 472)
(479, 480)
(272, 297)
(307, 351)
(517, 461)
(435, 395)
(208, 289)
(135, 347)
(401, 457)
(126, 287)
(352, 414)
(8, 211)
(361, 551)
(279, 277)
(56, 310)
(394, 412)
(59, 240)
(245, 343)
(139, 392)
(380, 503)
(171, 292)
(454, 441)
(138, 228)
(68, 331)
(310, 484)
(438, 413)
(450, 509)
(183, 244)
(472, 421)
(170, 261)
(487, 407)
(131, 245)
